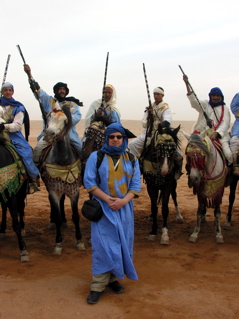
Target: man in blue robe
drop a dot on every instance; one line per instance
(114, 184)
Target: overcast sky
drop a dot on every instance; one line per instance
(68, 41)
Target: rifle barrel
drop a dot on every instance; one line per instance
(6, 68)
(106, 69)
(209, 123)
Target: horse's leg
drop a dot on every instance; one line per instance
(13, 204)
(179, 217)
(56, 215)
(76, 220)
(153, 194)
(217, 215)
(165, 211)
(21, 207)
(233, 187)
(200, 216)
(4, 220)
(63, 215)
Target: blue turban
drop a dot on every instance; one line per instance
(216, 91)
(114, 150)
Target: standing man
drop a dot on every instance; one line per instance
(218, 113)
(234, 142)
(114, 185)
(60, 95)
(108, 108)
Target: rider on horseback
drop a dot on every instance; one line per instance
(12, 113)
(105, 108)
(217, 112)
(49, 103)
(161, 115)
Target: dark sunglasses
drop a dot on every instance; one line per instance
(119, 137)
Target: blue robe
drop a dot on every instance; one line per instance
(49, 103)
(22, 146)
(112, 236)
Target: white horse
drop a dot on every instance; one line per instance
(207, 170)
(61, 173)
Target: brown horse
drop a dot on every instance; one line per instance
(13, 190)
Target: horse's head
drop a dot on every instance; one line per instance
(163, 147)
(197, 157)
(58, 125)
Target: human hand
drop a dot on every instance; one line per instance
(116, 203)
(214, 136)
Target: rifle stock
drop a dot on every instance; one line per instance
(33, 84)
(209, 123)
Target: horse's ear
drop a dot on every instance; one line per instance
(186, 135)
(176, 130)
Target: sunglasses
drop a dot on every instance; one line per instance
(119, 137)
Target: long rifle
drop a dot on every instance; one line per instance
(33, 84)
(6, 68)
(150, 109)
(103, 91)
(209, 123)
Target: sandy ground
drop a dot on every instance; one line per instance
(182, 280)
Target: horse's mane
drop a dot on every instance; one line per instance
(67, 113)
(197, 140)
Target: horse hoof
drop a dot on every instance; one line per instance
(219, 240)
(164, 241)
(227, 226)
(152, 237)
(2, 235)
(192, 239)
(24, 256)
(64, 225)
(80, 245)
(150, 218)
(180, 220)
(57, 249)
(23, 232)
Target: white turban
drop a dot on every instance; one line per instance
(158, 90)
(7, 85)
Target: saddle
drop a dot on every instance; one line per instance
(12, 176)
(67, 174)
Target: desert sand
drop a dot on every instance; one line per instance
(182, 280)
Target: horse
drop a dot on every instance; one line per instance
(94, 135)
(232, 195)
(207, 172)
(61, 173)
(13, 190)
(157, 167)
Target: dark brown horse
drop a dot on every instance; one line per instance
(13, 190)
(157, 164)
(94, 135)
